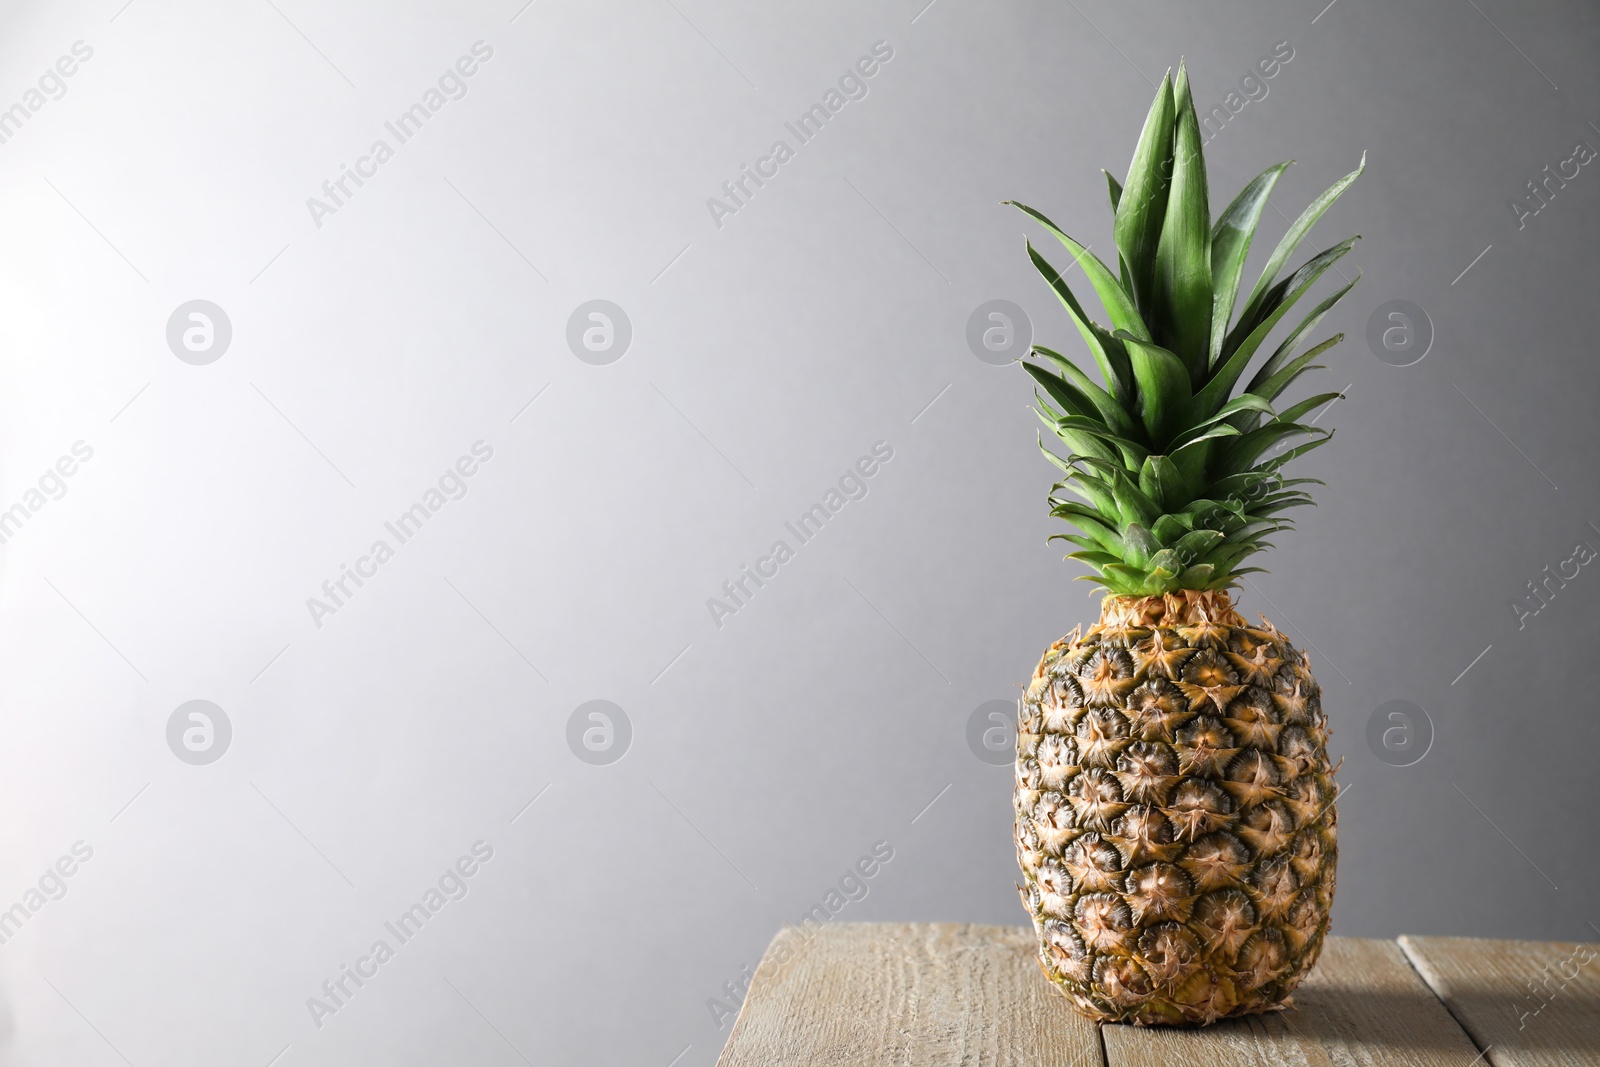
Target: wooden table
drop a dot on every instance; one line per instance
(942, 995)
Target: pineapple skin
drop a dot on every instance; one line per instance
(1175, 819)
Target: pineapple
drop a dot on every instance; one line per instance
(1174, 797)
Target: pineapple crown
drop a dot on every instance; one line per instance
(1179, 477)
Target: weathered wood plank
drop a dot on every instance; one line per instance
(911, 994)
(1531, 1003)
(1362, 1006)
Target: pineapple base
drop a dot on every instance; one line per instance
(1175, 819)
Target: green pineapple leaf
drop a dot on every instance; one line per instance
(1163, 383)
(1291, 240)
(1290, 343)
(1272, 387)
(1116, 189)
(1284, 295)
(1306, 407)
(1065, 394)
(1195, 545)
(1095, 491)
(1186, 441)
(1230, 244)
(1140, 542)
(1251, 446)
(1172, 472)
(1183, 295)
(1160, 480)
(1143, 203)
(1241, 403)
(1113, 414)
(1119, 305)
(1108, 353)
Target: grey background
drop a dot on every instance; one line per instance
(767, 355)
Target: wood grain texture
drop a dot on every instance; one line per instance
(912, 994)
(1362, 1006)
(942, 995)
(1531, 1003)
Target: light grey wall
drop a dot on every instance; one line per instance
(768, 353)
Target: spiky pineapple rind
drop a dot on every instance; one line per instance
(1174, 813)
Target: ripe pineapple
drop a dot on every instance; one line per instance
(1174, 798)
